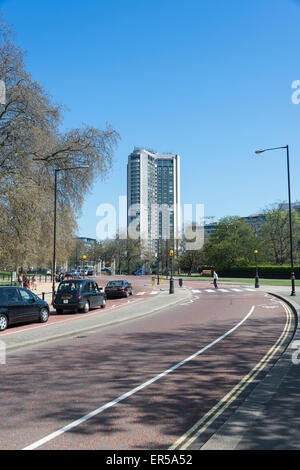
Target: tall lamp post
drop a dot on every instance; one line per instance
(171, 291)
(290, 210)
(256, 273)
(157, 261)
(54, 228)
(83, 268)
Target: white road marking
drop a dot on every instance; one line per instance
(237, 290)
(90, 415)
(210, 290)
(196, 291)
(268, 306)
(153, 293)
(251, 290)
(223, 290)
(141, 293)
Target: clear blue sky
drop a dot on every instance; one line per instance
(210, 80)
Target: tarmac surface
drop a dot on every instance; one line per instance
(269, 418)
(139, 384)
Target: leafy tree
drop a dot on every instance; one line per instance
(232, 244)
(274, 235)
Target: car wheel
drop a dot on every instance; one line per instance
(103, 303)
(44, 315)
(3, 322)
(126, 294)
(86, 307)
(59, 311)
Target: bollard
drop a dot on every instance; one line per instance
(180, 282)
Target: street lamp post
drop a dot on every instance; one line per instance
(256, 274)
(290, 211)
(158, 270)
(56, 170)
(83, 268)
(171, 291)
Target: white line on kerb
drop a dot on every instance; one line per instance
(79, 421)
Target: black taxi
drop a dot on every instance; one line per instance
(78, 295)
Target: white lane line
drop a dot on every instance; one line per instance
(223, 290)
(90, 415)
(210, 291)
(237, 290)
(196, 291)
(141, 293)
(251, 290)
(153, 293)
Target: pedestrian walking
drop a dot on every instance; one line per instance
(215, 276)
(34, 282)
(20, 279)
(26, 282)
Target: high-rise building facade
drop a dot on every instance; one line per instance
(153, 197)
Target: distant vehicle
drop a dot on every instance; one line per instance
(83, 272)
(78, 294)
(139, 272)
(118, 288)
(19, 305)
(106, 270)
(90, 272)
(73, 273)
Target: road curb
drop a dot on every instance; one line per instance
(232, 431)
(96, 327)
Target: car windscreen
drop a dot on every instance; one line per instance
(115, 283)
(69, 287)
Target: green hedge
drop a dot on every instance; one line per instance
(266, 272)
(8, 283)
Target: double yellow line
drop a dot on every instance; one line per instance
(185, 441)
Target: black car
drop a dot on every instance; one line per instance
(78, 294)
(119, 288)
(19, 305)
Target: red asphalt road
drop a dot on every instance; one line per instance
(140, 285)
(49, 387)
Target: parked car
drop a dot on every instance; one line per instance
(83, 272)
(90, 272)
(78, 294)
(19, 305)
(118, 288)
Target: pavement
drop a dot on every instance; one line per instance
(92, 321)
(269, 418)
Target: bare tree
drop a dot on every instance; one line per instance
(31, 148)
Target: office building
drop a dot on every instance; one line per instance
(153, 197)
